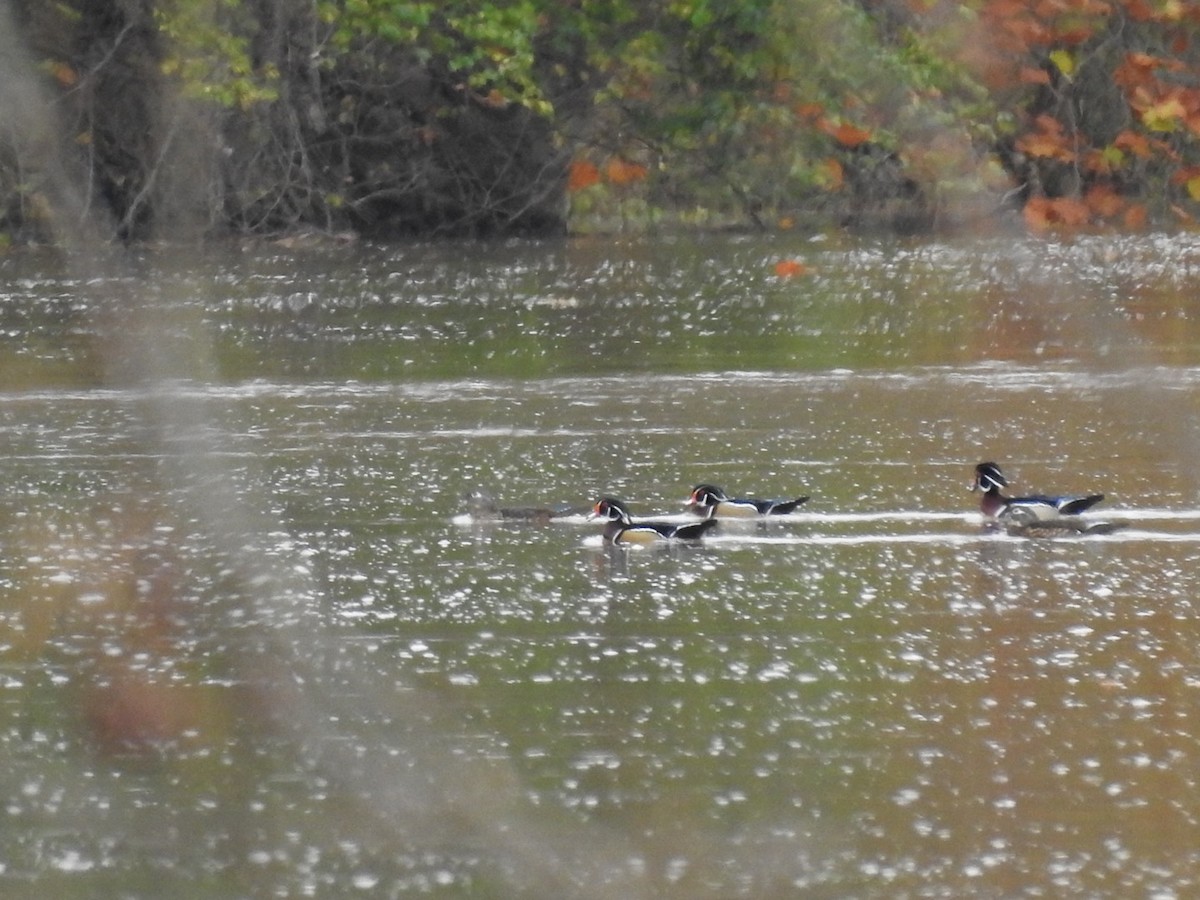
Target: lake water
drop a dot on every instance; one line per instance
(251, 643)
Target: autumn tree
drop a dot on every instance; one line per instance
(1098, 105)
(392, 117)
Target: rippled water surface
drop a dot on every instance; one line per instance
(252, 643)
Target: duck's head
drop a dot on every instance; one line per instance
(988, 477)
(612, 509)
(706, 495)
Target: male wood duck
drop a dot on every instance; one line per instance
(621, 529)
(1036, 508)
(710, 500)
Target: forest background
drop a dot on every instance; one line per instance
(385, 118)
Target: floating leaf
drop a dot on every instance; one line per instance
(790, 268)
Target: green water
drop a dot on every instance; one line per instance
(250, 645)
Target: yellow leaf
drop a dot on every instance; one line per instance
(1164, 116)
(1113, 157)
(1064, 62)
(1193, 187)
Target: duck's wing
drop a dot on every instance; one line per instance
(693, 530)
(782, 507)
(1073, 506)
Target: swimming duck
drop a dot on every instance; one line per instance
(482, 507)
(621, 529)
(1036, 508)
(710, 500)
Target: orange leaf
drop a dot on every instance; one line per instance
(1037, 213)
(1048, 141)
(1135, 216)
(618, 171)
(1045, 213)
(1071, 211)
(1027, 31)
(1074, 36)
(1185, 174)
(583, 174)
(835, 175)
(1030, 75)
(1139, 10)
(1143, 60)
(1004, 9)
(1137, 144)
(1140, 70)
(1091, 7)
(845, 134)
(1101, 162)
(1104, 201)
(494, 99)
(789, 268)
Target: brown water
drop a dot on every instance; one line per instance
(250, 645)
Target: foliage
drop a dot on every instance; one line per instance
(465, 116)
(1086, 111)
(209, 53)
(1102, 105)
(762, 110)
(490, 46)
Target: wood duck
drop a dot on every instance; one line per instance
(482, 506)
(1036, 508)
(621, 529)
(710, 500)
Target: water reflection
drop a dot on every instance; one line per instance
(248, 647)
